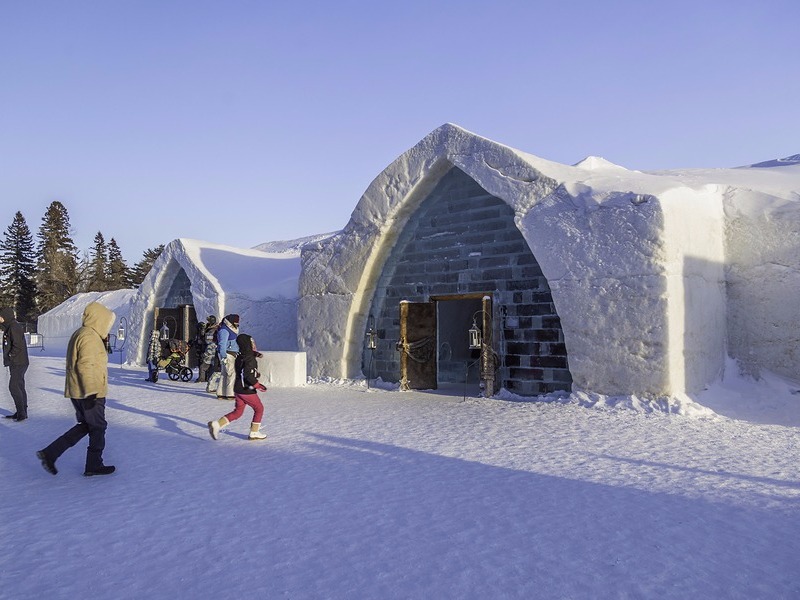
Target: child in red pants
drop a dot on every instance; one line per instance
(245, 387)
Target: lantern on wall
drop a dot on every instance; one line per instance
(371, 335)
(166, 332)
(123, 322)
(474, 337)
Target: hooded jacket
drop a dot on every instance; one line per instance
(87, 357)
(226, 336)
(15, 349)
(246, 366)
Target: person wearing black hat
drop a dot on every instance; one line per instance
(227, 349)
(15, 357)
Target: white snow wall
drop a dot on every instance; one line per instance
(763, 249)
(638, 284)
(629, 297)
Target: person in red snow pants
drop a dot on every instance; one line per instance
(242, 400)
(245, 387)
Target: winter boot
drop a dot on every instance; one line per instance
(101, 470)
(255, 434)
(215, 426)
(213, 383)
(47, 464)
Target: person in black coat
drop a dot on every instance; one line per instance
(15, 357)
(245, 387)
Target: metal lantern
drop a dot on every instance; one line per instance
(372, 335)
(474, 337)
(121, 330)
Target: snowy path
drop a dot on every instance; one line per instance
(376, 494)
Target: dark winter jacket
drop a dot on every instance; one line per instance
(246, 366)
(210, 347)
(15, 350)
(199, 342)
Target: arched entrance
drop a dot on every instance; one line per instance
(177, 312)
(460, 246)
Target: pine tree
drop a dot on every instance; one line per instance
(98, 265)
(83, 273)
(17, 269)
(118, 273)
(142, 268)
(57, 262)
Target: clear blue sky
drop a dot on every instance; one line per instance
(241, 122)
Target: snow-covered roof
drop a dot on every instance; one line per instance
(251, 273)
(598, 178)
(292, 246)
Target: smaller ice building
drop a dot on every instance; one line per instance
(192, 279)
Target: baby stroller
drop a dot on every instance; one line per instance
(173, 361)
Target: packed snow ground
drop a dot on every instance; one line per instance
(381, 494)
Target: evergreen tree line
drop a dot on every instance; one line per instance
(37, 276)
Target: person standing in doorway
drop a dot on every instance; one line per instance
(86, 386)
(227, 349)
(15, 357)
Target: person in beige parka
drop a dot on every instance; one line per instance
(87, 386)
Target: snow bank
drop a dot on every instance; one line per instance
(680, 404)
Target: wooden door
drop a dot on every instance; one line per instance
(417, 345)
(188, 331)
(488, 361)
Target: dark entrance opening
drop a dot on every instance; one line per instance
(182, 325)
(457, 362)
(436, 346)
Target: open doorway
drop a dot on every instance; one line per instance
(458, 363)
(181, 324)
(435, 345)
